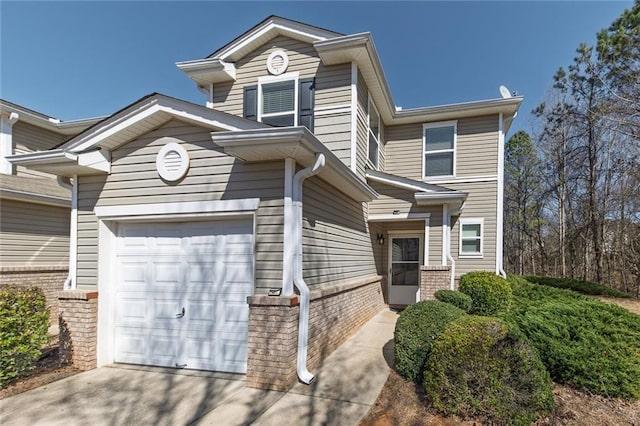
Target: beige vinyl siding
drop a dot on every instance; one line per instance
(476, 148)
(33, 234)
(212, 176)
(337, 244)
(362, 139)
(28, 138)
(333, 90)
(481, 203)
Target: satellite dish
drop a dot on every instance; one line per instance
(505, 92)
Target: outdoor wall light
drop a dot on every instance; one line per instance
(380, 238)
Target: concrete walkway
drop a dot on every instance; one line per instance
(345, 388)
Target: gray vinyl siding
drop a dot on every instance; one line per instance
(481, 203)
(212, 176)
(33, 234)
(28, 138)
(337, 243)
(476, 148)
(362, 139)
(333, 90)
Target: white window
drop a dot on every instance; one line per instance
(471, 237)
(278, 100)
(373, 146)
(439, 149)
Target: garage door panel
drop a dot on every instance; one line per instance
(205, 267)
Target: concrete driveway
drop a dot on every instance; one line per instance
(345, 388)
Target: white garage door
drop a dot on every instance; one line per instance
(182, 294)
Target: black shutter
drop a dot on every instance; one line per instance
(305, 102)
(251, 102)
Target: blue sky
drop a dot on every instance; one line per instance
(75, 60)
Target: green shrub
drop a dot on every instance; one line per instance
(584, 343)
(24, 322)
(416, 329)
(455, 298)
(489, 293)
(584, 287)
(480, 367)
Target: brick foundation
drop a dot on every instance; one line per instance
(78, 322)
(335, 314)
(432, 279)
(48, 278)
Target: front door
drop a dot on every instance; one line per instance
(405, 254)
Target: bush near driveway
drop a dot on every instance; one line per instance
(416, 329)
(489, 293)
(481, 367)
(584, 343)
(584, 287)
(454, 298)
(24, 322)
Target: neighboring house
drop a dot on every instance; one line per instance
(34, 206)
(188, 217)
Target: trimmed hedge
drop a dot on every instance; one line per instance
(480, 367)
(455, 298)
(584, 343)
(24, 323)
(584, 287)
(416, 329)
(490, 294)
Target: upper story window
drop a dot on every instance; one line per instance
(281, 101)
(439, 143)
(373, 146)
(471, 237)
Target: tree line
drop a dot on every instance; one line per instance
(572, 189)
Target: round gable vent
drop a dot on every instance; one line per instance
(277, 62)
(172, 161)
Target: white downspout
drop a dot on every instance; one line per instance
(6, 141)
(446, 221)
(70, 282)
(500, 201)
(303, 324)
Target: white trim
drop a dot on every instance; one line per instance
(470, 221)
(338, 110)
(6, 141)
(471, 179)
(404, 234)
(427, 223)
(172, 146)
(270, 79)
(398, 217)
(178, 209)
(371, 103)
(445, 213)
(354, 116)
(289, 229)
(73, 234)
(439, 124)
(285, 62)
(500, 197)
(398, 183)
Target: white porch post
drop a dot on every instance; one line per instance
(6, 142)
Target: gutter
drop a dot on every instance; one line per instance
(303, 323)
(70, 282)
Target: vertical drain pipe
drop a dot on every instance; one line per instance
(303, 324)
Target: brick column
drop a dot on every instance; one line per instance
(78, 328)
(432, 279)
(273, 342)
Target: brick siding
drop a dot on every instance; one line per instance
(335, 314)
(432, 279)
(50, 279)
(78, 328)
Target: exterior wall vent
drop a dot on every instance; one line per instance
(172, 161)
(277, 62)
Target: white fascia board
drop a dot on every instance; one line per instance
(53, 156)
(208, 71)
(70, 127)
(397, 217)
(63, 163)
(246, 205)
(403, 183)
(10, 194)
(297, 143)
(453, 198)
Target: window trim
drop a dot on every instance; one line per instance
(471, 221)
(290, 76)
(370, 104)
(438, 124)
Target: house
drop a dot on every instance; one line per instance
(34, 206)
(255, 233)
